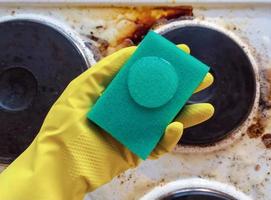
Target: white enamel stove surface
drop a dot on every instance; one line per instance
(244, 164)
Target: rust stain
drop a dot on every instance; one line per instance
(267, 140)
(265, 101)
(257, 167)
(261, 120)
(257, 129)
(146, 21)
(140, 20)
(102, 44)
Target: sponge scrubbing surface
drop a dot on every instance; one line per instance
(147, 93)
(148, 77)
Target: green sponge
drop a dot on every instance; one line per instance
(147, 93)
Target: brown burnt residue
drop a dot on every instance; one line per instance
(265, 101)
(147, 20)
(257, 129)
(139, 21)
(266, 138)
(100, 46)
(103, 44)
(257, 167)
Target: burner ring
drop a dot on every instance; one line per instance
(196, 146)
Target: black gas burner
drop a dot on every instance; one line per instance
(198, 194)
(37, 62)
(233, 91)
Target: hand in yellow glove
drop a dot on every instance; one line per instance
(71, 156)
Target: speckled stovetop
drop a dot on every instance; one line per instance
(244, 164)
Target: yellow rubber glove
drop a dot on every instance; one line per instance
(71, 156)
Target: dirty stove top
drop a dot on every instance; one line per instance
(237, 152)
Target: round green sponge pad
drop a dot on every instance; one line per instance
(152, 82)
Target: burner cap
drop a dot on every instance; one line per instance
(37, 62)
(234, 87)
(198, 194)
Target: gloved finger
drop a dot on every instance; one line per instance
(191, 115)
(172, 135)
(184, 47)
(194, 114)
(207, 81)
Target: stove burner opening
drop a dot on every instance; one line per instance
(18, 87)
(234, 89)
(38, 60)
(198, 194)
